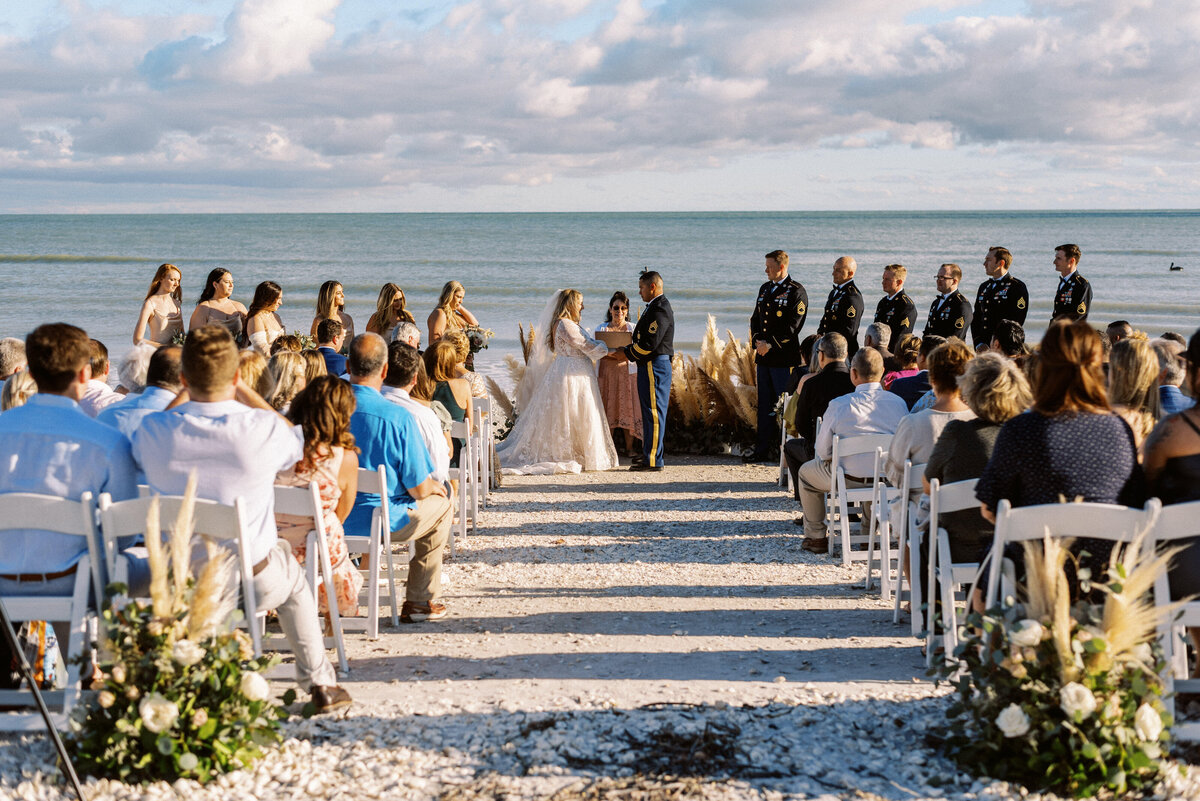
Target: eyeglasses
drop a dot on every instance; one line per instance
(619, 308)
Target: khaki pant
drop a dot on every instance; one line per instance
(283, 586)
(815, 480)
(428, 528)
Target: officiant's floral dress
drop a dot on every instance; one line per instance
(618, 390)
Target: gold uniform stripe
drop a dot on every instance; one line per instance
(640, 351)
(653, 415)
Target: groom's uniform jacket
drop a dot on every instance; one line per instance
(779, 314)
(655, 332)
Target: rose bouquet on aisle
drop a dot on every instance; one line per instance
(1059, 696)
(182, 694)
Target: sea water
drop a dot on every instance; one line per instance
(94, 270)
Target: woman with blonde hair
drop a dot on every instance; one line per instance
(323, 412)
(263, 324)
(1133, 385)
(314, 365)
(389, 310)
(161, 310)
(217, 306)
(451, 391)
(331, 305)
(283, 379)
(450, 314)
(18, 389)
(560, 422)
(462, 347)
(251, 366)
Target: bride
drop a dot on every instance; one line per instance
(560, 426)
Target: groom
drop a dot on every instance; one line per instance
(652, 348)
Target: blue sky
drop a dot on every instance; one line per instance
(545, 105)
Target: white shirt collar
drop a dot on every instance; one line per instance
(1069, 276)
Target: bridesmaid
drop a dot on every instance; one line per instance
(161, 310)
(263, 324)
(618, 387)
(389, 310)
(216, 305)
(331, 305)
(451, 315)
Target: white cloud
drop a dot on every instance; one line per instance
(270, 38)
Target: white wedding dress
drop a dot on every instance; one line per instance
(562, 428)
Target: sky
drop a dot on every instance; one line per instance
(597, 105)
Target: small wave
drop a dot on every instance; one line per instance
(1175, 253)
(52, 258)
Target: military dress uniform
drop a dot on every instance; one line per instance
(1073, 299)
(779, 314)
(1003, 298)
(951, 318)
(898, 313)
(652, 348)
(843, 313)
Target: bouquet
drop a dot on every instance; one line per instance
(181, 693)
(1061, 697)
(478, 337)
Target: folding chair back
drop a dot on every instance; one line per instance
(944, 574)
(845, 496)
(467, 488)
(889, 520)
(785, 476)
(376, 544)
(1177, 523)
(481, 410)
(26, 510)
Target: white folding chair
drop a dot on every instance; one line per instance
(945, 575)
(25, 510)
(224, 525)
(889, 520)
(785, 475)
(1179, 521)
(306, 502)
(467, 487)
(846, 496)
(376, 545)
(1103, 521)
(481, 409)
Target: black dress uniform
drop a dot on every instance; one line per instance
(1073, 299)
(949, 319)
(779, 314)
(652, 348)
(899, 313)
(843, 313)
(1004, 298)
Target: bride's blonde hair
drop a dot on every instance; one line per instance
(567, 308)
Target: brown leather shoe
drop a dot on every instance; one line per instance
(413, 612)
(328, 698)
(816, 544)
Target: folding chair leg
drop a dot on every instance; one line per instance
(391, 571)
(373, 583)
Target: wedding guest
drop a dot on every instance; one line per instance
(453, 392)
(1170, 377)
(408, 333)
(1118, 330)
(404, 370)
(914, 386)
(1070, 445)
(161, 310)
(462, 349)
(878, 335)
(314, 365)
(98, 393)
(417, 505)
(1008, 339)
(227, 421)
(389, 310)
(1172, 336)
(216, 306)
(331, 337)
(251, 366)
(283, 380)
(869, 409)
(907, 360)
(450, 315)
(263, 324)
(800, 376)
(618, 378)
(12, 357)
(331, 305)
(286, 342)
(322, 411)
(831, 380)
(162, 385)
(1132, 385)
(1173, 473)
(18, 389)
(844, 306)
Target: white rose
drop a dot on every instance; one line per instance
(1027, 633)
(106, 699)
(1073, 698)
(255, 687)
(1147, 723)
(1013, 721)
(158, 714)
(118, 674)
(1142, 653)
(187, 653)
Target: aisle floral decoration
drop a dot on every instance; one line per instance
(478, 337)
(182, 695)
(1064, 697)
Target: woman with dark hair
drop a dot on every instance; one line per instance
(389, 310)
(618, 383)
(263, 325)
(217, 307)
(331, 305)
(1070, 445)
(323, 412)
(907, 351)
(161, 310)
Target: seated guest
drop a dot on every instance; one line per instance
(1118, 330)
(1133, 385)
(331, 336)
(12, 357)
(162, 386)
(808, 363)
(906, 362)
(1173, 474)
(1170, 377)
(283, 379)
(408, 333)
(235, 443)
(419, 511)
(831, 380)
(869, 409)
(462, 347)
(441, 359)
(49, 446)
(314, 365)
(878, 336)
(1008, 339)
(1070, 445)
(98, 394)
(251, 366)
(286, 342)
(1173, 336)
(912, 387)
(404, 368)
(18, 389)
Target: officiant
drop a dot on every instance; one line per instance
(652, 348)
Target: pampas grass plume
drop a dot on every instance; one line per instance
(181, 541)
(212, 601)
(160, 592)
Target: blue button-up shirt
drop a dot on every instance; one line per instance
(49, 446)
(127, 415)
(1173, 400)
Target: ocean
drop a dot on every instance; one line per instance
(93, 270)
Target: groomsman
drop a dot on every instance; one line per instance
(1001, 297)
(950, 313)
(779, 314)
(844, 306)
(896, 309)
(1073, 300)
(652, 349)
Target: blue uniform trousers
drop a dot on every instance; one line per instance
(772, 382)
(654, 391)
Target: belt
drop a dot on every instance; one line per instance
(860, 479)
(260, 567)
(70, 571)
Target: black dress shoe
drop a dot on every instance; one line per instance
(754, 458)
(638, 459)
(642, 467)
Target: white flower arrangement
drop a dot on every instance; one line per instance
(1076, 701)
(187, 653)
(157, 713)
(1013, 721)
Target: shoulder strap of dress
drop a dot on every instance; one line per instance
(1189, 421)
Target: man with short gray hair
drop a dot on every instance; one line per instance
(408, 333)
(878, 336)
(830, 379)
(1170, 377)
(12, 357)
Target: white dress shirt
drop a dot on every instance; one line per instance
(431, 430)
(869, 409)
(97, 396)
